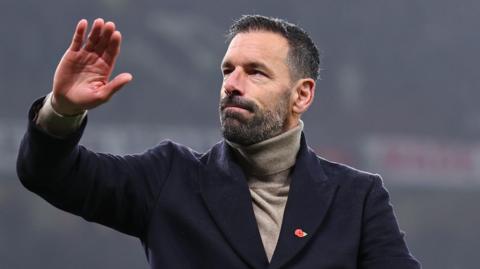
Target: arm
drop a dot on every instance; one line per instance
(112, 190)
(382, 243)
(117, 191)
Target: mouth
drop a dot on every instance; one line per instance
(236, 103)
(234, 107)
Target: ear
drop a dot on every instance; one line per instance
(304, 91)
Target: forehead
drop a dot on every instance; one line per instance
(267, 47)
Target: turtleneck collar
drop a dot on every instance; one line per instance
(270, 156)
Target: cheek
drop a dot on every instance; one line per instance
(270, 98)
(267, 103)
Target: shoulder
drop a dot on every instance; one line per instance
(355, 187)
(346, 175)
(173, 151)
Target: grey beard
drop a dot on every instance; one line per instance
(259, 128)
(262, 126)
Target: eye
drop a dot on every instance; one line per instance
(257, 72)
(226, 71)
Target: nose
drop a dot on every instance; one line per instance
(233, 83)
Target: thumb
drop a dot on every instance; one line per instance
(116, 84)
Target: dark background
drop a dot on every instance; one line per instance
(398, 96)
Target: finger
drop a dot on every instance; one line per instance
(113, 48)
(107, 32)
(94, 35)
(115, 84)
(79, 35)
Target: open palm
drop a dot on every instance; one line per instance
(81, 80)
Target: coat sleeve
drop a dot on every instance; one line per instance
(117, 191)
(382, 243)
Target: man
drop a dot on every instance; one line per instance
(226, 208)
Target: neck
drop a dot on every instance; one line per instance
(272, 155)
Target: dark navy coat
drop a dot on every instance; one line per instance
(194, 210)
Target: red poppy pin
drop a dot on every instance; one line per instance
(300, 233)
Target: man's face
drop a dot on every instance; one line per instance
(255, 98)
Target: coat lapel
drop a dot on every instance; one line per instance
(309, 199)
(225, 192)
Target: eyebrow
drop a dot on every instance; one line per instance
(226, 64)
(254, 65)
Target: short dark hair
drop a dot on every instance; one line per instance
(303, 57)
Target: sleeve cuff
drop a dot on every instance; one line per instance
(56, 124)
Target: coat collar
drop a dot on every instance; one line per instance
(310, 196)
(225, 191)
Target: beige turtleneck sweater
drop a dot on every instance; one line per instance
(266, 164)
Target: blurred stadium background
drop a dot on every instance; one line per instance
(398, 96)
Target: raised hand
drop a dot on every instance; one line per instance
(81, 80)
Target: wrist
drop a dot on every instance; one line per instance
(56, 124)
(63, 110)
